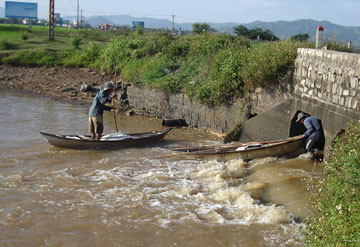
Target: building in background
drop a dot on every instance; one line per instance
(136, 24)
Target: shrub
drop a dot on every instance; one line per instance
(76, 41)
(24, 36)
(132, 70)
(268, 62)
(337, 46)
(31, 58)
(7, 45)
(338, 220)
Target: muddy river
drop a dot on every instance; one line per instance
(56, 197)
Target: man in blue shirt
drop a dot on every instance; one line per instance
(96, 126)
(314, 132)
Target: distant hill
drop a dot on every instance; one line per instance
(286, 29)
(97, 20)
(282, 29)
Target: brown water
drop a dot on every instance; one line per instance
(56, 197)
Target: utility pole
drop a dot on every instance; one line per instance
(77, 15)
(81, 20)
(173, 26)
(51, 20)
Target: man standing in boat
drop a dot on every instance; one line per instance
(314, 132)
(96, 126)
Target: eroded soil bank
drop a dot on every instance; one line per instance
(57, 83)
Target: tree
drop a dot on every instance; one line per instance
(258, 33)
(255, 33)
(301, 37)
(241, 31)
(200, 28)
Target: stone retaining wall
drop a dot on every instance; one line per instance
(327, 86)
(175, 106)
(328, 76)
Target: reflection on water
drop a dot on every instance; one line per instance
(130, 197)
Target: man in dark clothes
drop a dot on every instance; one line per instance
(96, 126)
(314, 132)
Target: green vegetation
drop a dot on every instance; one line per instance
(301, 37)
(212, 68)
(200, 28)
(333, 45)
(254, 34)
(235, 132)
(338, 199)
(76, 41)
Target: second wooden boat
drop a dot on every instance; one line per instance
(247, 151)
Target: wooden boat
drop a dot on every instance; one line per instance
(85, 142)
(247, 151)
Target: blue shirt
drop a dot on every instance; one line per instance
(312, 125)
(98, 105)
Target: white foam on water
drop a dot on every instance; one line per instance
(257, 162)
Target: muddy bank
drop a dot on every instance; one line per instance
(57, 83)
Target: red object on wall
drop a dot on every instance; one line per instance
(320, 28)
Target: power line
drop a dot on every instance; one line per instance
(72, 6)
(137, 15)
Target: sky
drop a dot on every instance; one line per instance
(342, 12)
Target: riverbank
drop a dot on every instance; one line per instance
(58, 83)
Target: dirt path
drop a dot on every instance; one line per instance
(57, 83)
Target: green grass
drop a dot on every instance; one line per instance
(337, 223)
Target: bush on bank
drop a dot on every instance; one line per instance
(338, 199)
(212, 68)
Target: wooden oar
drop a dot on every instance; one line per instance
(113, 105)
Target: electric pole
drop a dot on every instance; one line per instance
(77, 15)
(172, 26)
(81, 20)
(51, 20)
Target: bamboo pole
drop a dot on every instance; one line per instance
(113, 105)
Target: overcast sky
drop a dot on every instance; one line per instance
(342, 12)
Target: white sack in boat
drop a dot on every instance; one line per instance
(116, 137)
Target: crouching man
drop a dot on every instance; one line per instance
(314, 132)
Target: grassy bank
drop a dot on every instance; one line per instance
(338, 200)
(212, 68)
(20, 45)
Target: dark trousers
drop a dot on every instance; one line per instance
(315, 140)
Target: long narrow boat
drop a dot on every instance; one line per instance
(247, 151)
(85, 142)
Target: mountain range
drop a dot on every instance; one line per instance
(282, 29)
